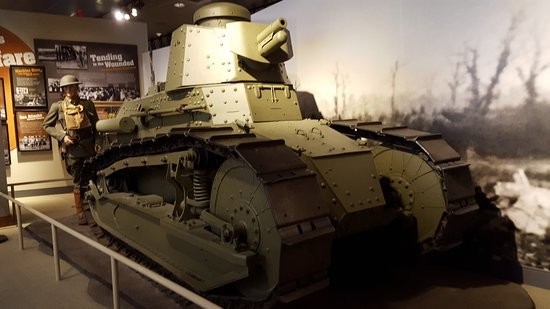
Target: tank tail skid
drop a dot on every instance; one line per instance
(428, 175)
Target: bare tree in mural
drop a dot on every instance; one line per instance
(340, 94)
(530, 81)
(336, 76)
(394, 70)
(457, 79)
(480, 103)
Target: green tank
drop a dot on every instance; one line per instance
(216, 176)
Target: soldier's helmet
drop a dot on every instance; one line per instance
(68, 80)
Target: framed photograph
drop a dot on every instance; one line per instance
(28, 86)
(2, 100)
(30, 134)
(6, 143)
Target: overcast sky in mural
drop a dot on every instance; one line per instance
(364, 39)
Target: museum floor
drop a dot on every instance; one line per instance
(28, 281)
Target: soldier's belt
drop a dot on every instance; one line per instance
(81, 133)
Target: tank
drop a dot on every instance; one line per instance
(217, 176)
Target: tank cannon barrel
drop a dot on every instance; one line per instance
(272, 37)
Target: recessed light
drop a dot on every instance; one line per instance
(158, 34)
(179, 5)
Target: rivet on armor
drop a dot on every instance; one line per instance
(207, 67)
(323, 185)
(351, 205)
(333, 200)
(334, 184)
(186, 74)
(373, 176)
(371, 189)
(189, 45)
(214, 115)
(223, 90)
(347, 192)
(234, 89)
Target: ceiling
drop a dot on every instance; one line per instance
(161, 16)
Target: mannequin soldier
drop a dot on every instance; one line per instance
(76, 133)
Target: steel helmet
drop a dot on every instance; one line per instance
(69, 80)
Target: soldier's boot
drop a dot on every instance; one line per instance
(79, 210)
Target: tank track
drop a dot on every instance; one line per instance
(225, 301)
(432, 148)
(226, 143)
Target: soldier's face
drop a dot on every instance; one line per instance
(71, 91)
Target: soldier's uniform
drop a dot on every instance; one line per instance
(77, 119)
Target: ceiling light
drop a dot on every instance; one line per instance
(127, 16)
(179, 5)
(158, 33)
(134, 12)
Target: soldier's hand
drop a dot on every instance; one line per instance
(67, 140)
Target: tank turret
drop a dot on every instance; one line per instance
(220, 180)
(225, 47)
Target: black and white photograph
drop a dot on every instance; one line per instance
(53, 85)
(71, 57)
(31, 136)
(28, 85)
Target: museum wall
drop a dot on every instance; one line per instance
(44, 165)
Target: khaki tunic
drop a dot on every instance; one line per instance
(85, 147)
